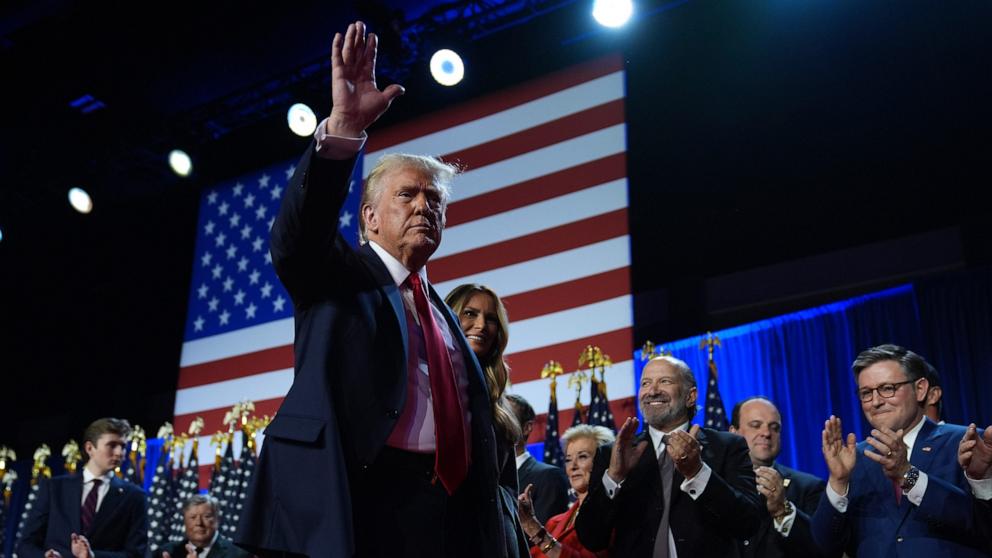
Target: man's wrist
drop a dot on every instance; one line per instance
(839, 485)
(783, 511)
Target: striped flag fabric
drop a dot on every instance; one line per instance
(539, 215)
(715, 416)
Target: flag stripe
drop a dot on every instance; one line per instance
(532, 246)
(601, 286)
(235, 367)
(526, 366)
(549, 133)
(226, 345)
(541, 216)
(490, 115)
(549, 270)
(256, 387)
(537, 163)
(558, 327)
(572, 179)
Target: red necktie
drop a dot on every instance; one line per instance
(452, 456)
(897, 485)
(89, 507)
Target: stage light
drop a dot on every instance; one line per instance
(447, 67)
(180, 162)
(612, 13)
(1, 235)
(302, 121)
(80, 200)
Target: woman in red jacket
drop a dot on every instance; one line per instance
(557, 539)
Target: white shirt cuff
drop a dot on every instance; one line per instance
(836, 500)
(336, 147)
(916, 493)
(695, 486)
(784, 525)
(981, 488)
(611, 486)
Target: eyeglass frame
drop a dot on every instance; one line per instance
(867, 394)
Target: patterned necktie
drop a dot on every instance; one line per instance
(89, 507)
(665, 467)
(452, 456)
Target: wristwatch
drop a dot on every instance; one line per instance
(909, 479)
(789, 508)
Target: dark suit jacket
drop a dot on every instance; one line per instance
(874, 525)
(120, 528)
(350, 383)
(222, 548)
(804, 491)
(550, 492)
(727, 510)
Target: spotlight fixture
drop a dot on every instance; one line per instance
(612, 13)
(180, 162)
(80, 200)
(302, 121)
(447, 67)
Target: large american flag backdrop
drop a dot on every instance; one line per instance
(539, 215)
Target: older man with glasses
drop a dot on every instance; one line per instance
(900, 492)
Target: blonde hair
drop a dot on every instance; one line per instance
(493, 365)
(441, 172)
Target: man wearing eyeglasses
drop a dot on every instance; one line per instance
(900, 492)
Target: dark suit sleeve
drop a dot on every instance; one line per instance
(800, 540)
(31, 544)
(136, 538)
(304, 232)
(730, 498)
(550, 493)
(594, 525)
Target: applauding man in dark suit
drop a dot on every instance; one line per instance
(94, 514)
(790, 496)
(671, 491)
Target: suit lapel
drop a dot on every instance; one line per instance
(114, 497)
(928, 442)
(383, 278)
(72, 499)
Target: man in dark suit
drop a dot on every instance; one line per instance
(384, 445)
(671, 491)
(94, 514)
(901, 492)
(790, 496)
(550, 485)
(201, 515)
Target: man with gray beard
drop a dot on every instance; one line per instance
(693, 494)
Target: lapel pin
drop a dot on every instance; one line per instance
(926, 448)
(785, 482)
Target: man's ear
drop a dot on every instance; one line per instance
(370, 218)
(922, 386)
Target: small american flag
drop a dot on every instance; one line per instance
(160, 500)
(715, 417)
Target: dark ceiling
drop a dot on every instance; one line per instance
(759, 133)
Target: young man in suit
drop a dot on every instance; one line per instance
(790, 496)
(673, 490)
(901, 492)
(201, 516)
(550, 492)
(384, 444)
(93, 514)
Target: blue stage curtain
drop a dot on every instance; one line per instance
(956, 316)
(802, 362)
